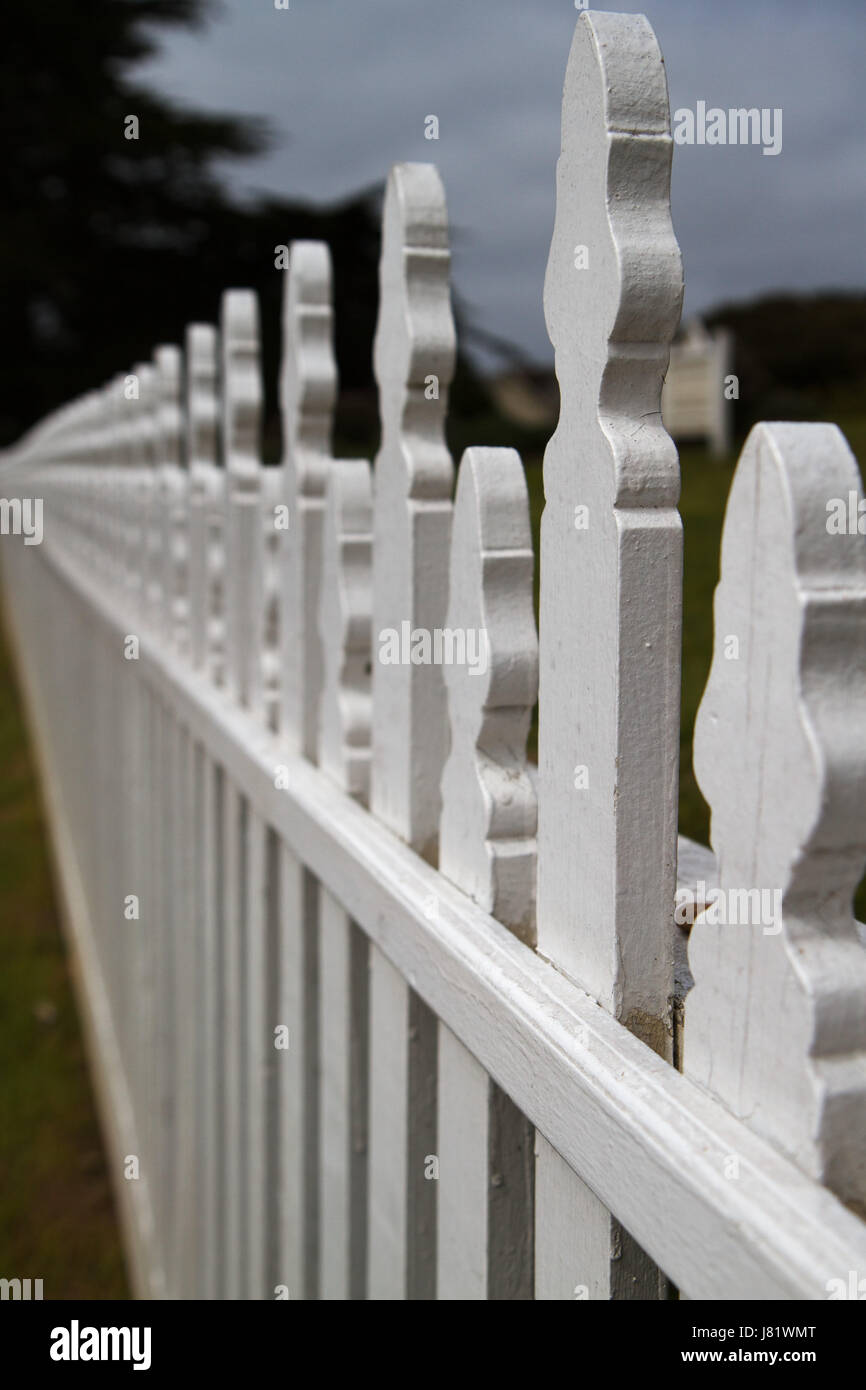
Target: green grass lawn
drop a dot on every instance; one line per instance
(57, 1219)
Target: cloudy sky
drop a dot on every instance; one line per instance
(347, 84)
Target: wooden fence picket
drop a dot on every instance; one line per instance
(172, 482)
(201, 417)
(414, 361)
(610, 597)
(775, 1025)
(258, 1050)
(205, 529)
(487, 848)
(145, 376)
(345, 605)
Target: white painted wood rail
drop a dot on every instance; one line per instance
(374, 1008)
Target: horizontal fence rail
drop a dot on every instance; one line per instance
(376, 1008)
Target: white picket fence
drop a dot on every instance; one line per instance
(327, 1067)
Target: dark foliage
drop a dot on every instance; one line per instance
(110, 245)
(797, 356)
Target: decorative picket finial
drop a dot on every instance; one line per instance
(414, 363)
(105, 446)
(611, 537)
(308, 392)
(609, 624)
(308, 377)
(202, 373)
(168, 362)
(205, 496)
(121, 452)
(487, 848)
(131, 510)
(151, 511)
(345, 613)
(241, 383)
(117, 460)
(487, 830)
(776, 1022)
(241, 388)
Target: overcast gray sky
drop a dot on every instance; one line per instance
(347, 84)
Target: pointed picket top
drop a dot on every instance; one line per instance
(201, 413)
(241, 383)
(308, 392)
(202, 451)
(611, 538)
(612, 311)
(414, 363)
(121, 447)
(146, 408)
(415, 346)
(345, 608)
(241, 405)
(105, 438)
(79, 425)
(132, 509)
(308, 376)
(141, 407)
(168, 363)
(487, 830)
(776, 1023)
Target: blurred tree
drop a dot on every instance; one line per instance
(111, 245)
(797, 356)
